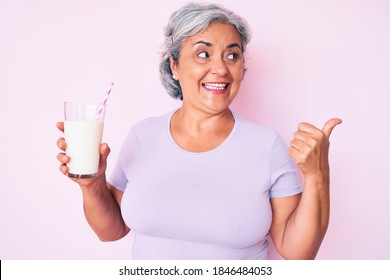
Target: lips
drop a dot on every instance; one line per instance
(216, 87)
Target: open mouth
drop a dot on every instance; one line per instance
(215, 86)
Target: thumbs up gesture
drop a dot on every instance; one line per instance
(310, 147)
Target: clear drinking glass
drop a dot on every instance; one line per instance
(83, 128)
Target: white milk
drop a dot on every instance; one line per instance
(83, 140)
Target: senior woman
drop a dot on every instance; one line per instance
(201, 182)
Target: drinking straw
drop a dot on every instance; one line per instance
(105, 100)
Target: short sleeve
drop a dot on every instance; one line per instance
(284, 179)
(118, 178)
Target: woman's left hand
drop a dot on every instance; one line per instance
(310, 147)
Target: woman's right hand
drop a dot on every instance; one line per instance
(64, 159)
(101, 201)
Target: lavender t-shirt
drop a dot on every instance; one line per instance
(208, 205)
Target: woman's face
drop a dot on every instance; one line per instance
(210, 68)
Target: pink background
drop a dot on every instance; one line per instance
(308, 61)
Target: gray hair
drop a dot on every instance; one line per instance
(188, 21)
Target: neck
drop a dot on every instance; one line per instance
(197, 132)
(197, 122)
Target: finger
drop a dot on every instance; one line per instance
(60, 126)
(294, 153)
(63, 158)
(330, 125)
(301, 135)
(299, 145)
(61, 143)
(104, 152)
(307, 127)
(64, 169)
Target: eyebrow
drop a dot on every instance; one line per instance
(233, 45)
(204, 43)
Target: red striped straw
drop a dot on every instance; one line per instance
(105, 100)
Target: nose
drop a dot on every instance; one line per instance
(219, 67)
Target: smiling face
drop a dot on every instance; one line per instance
(210, 68)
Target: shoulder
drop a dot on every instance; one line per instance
(151, 122)
(255, 131)
(151, 125)
(147, 129)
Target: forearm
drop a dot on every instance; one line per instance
(299, 232)
(307, 225)
(103, 213)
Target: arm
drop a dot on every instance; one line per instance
(101, 200)
(102, 211)
(300, 222)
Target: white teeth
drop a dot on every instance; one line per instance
(215, 86)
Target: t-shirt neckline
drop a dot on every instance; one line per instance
(219, 147)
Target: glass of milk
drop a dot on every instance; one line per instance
(83, 129)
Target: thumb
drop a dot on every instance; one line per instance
(329, 125)
(104, 152)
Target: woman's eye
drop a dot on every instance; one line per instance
(203, 54)
(232, 56)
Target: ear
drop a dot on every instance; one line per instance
(173, 65)
(243, 73)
